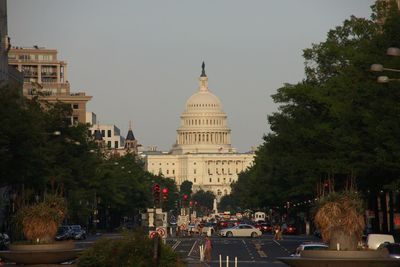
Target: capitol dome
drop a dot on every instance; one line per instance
(204, 127)
(203, 101)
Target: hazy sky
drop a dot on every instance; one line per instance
(140, 60)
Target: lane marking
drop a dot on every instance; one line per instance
(194, 245)
(285, 249)
(176, 245)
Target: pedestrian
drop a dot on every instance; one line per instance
(207, 249)
(276, 232)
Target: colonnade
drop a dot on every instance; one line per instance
(188, 138)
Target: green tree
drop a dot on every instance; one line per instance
(186, 188)
(337, 124)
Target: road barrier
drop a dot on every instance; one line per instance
(227, 261)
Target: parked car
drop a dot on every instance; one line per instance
(64, 233)
(308, 246)
(241, 230)
(78, 233)
(290, 229)
(393, 248)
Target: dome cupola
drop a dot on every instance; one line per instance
(203, 123)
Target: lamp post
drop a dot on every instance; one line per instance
(392, 51)
(387, 199)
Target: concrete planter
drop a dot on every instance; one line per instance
(331, 258)
(41, 253)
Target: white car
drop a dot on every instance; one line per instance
(241, 230)
(309, 246)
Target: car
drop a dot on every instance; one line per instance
(264, 227)
(308, 246)
(393, 248)
(290, 229)
(209, 228)
(64, 233)
(241, 230)
(77, 232)
(375, 240)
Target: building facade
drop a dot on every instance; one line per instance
(45, 76)
(203, 153)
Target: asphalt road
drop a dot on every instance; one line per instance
(251, 252)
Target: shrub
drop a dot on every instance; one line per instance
(135, 249)
(40, 221)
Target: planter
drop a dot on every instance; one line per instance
(41, 253)
(333, 258)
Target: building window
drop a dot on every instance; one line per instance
(194, 171)
(230, 180)
(109, 133)
(194, 180)
(194, 163)
(173, 171)
(109, 144)
(167, 171)
(223, 171)
(209, 172)
(116, 144)
(103, 133)
(218, 180)
(210, 180)
(75, 106)
(74, 120)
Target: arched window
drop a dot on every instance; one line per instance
(219, 192)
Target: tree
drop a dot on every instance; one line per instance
(204, 200)
(337, 124)
(186, 188)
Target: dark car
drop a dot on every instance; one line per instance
(78, 233)
(64, 233)
(290, 229)
(264, 227)
(4, 241)
(393, 248)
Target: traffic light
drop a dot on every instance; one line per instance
(185, 200)
(156, 194)
(165, 194)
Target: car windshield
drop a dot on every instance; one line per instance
(76, 227)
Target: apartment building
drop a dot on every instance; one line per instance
(45, 76)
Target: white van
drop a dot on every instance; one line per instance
(374, 240)
(259, 216)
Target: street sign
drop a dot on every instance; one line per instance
(152, 234)
(162, 232)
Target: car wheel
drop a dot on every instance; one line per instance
(229, 234)
(254, 234)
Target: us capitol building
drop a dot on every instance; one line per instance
(203, 153)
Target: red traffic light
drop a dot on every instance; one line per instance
(165, 194)
(156, 188)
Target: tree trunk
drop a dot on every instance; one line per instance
(345, 240)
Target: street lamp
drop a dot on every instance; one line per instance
(392, 51)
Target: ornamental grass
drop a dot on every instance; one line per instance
(40, 221)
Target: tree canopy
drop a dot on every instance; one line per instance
(337, 124)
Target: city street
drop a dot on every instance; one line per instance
(250, 252)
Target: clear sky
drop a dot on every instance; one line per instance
(140, 60)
